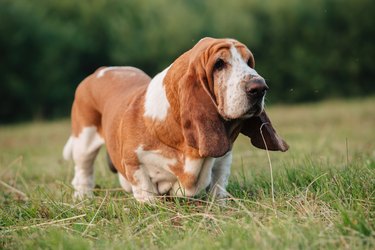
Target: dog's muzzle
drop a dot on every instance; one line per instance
(256, 89)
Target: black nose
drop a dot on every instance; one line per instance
(256, 87)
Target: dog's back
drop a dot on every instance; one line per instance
(103, 92)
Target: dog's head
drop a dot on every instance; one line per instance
(215, 83)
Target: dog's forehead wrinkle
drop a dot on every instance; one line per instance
(236, 55)
(241, 66)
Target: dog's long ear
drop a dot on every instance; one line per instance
(202, 126)
(252, 128)
(189, 85)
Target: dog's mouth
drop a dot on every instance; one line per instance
(254, 110)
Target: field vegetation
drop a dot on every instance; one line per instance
(324, 189)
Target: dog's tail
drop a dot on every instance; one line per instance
(68, 149)
(110, 164)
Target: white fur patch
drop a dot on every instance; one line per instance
(201, 169)
(164, 186)
(153, 157)
(68, 149)
(157, 168)
(241, 65)
(156, 103)
(155, 178)
(193, 166)
(205, 174)
(103, 71)
(124, 183)
(236, 100)
(145, 190)
(87, 142)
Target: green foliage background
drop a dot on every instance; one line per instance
(306, 50)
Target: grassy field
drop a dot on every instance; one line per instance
(324, 189)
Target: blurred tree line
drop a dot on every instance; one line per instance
(306, 50)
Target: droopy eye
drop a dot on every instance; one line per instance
(250, 62)
(219, 64)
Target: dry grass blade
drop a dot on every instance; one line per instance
(15, 190)
(97, 211)
(10, 165)
(269, 161)
(312, 182)
(250, 214)
(43, 224)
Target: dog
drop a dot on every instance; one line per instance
(172, 134)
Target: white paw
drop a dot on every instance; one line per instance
(82, 194)
(144, 196)
(164, 187)
(219, 194)
(220, 201)
(83, 186)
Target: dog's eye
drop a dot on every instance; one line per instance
(219, 64)
(250, 62)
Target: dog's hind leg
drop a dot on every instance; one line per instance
(85, 148)
(68, 149)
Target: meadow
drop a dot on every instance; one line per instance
(323, 191)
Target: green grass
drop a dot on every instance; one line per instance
(324, 189)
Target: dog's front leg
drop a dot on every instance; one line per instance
(220, 176)
(143, 189)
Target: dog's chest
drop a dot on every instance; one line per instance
(162, 170)
(158, 169)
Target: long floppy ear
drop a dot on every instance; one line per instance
(202, 126)
(251, 127)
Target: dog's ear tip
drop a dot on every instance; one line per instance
(276, 145)
(284, 147)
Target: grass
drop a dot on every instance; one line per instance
(324, 189)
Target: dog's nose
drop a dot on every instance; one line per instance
(256, 87)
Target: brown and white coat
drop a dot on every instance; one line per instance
(171, 134)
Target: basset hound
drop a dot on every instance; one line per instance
(172, 134)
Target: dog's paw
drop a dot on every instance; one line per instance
(82, 194)
(144, 196)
